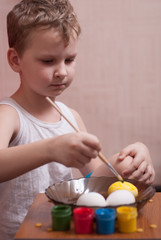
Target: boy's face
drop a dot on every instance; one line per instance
(47, 66)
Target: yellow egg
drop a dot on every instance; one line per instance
(123, 186)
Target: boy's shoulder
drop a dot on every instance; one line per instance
(9, 118)
(8, 110)
(8, 104)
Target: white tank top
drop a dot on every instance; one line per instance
(17, 195)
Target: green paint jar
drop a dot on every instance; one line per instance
(61, 217)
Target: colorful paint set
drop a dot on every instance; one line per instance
(84, 217)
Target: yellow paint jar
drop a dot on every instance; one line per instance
(127, 219)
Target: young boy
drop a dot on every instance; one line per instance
(38, 147)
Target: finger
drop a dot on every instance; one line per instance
(147, 173)
(136, 163)
(142, 169)
(128, 172)
(84, 147)
(145, 177)
(129, 150)
(91, 141)
(152, 175)
(142, 176)
(150, 180)
(136, 174)
(88, 152)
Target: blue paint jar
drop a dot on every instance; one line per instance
(105, 220)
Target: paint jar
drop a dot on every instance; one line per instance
(61, 217)
(83, 220)
(127, 219)
(105, 220)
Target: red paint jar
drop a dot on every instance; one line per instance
(83, 220)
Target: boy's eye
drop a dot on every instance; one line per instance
(69, 60)
(47, 61)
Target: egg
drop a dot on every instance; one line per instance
(91, 199)
(120, 197)
(123, 186)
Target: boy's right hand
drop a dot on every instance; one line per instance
(74, 149)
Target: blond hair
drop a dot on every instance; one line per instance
(31, 14)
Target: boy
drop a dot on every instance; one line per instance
(39, 147)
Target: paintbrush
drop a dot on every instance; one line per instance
(100, 155)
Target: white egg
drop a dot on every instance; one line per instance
(91, 199)
(120, 197)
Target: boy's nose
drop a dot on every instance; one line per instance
(60, 71)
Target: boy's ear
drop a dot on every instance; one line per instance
(13, 59)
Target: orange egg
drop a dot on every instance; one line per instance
(123, 186)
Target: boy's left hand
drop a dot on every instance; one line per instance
(141, 167)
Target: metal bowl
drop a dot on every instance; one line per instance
(67, 192)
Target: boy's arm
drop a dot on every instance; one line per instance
(15, 161)
(78, 148)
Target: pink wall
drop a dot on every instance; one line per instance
(118, 81)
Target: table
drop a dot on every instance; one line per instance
(40, 212)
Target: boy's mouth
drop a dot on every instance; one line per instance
(58, 86)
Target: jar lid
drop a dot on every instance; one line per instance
(61, 209)
(105, 213)
(83, 212)
(126, 212)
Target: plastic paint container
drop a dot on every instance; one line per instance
(83, 220)
(105, 220)
(61, 216)
(127, 219)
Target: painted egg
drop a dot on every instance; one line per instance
(123, 186)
